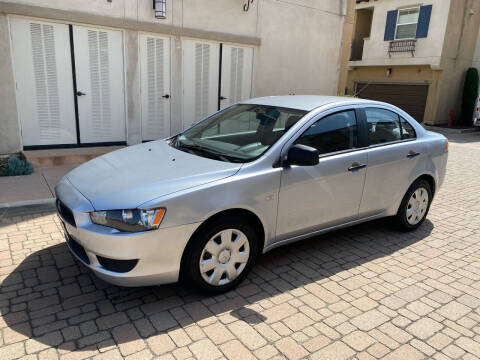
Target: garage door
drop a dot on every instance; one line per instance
(409, 98)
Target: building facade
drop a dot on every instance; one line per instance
(414, 55)
(81, 73)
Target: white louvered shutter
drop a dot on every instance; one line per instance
(154, 85)
(237, 64)
(100, 76)
(200, 80)
(43, 73)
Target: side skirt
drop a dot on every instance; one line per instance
(322, 231)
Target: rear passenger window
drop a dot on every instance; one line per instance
(332, 133)
(408, 132)
(383, 126)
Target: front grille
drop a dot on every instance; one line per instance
(120, 266)
(65, 213)
(77, 249)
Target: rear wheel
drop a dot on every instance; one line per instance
(220, 256)
(414, 207)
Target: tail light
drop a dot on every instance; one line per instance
(446, 144)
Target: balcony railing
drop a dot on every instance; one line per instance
(356, 51)
(399, 46)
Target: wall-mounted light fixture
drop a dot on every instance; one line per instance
(160, 7)
(389, 72)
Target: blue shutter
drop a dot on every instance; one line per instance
(390, 25)
(423, 21)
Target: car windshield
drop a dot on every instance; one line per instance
(240, 133)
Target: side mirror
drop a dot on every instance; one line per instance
(302, 155)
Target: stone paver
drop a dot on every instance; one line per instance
(367, 292)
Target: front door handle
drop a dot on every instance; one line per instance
(79, 93)
(356, 166)
(223, 98)
(412, 154)
(166, 96)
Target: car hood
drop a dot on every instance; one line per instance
(131, 176)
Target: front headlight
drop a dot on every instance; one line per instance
(129, 220)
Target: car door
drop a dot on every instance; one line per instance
(394, 158)
(328, 194)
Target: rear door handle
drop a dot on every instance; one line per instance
(412, 154)
(356, 166)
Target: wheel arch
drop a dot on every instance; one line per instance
(428, 178)
(240, 212)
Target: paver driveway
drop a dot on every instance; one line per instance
(364, 292)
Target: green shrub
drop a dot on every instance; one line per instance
(470, 93)
(16, 166)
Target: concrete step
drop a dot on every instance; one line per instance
(65, 157)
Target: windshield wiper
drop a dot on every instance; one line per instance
(205, 151)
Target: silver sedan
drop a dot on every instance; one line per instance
(204, 204)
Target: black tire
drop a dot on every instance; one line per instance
(400, 219)
(193, 252)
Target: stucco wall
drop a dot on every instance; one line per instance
(9, 126)
(297, 44)
(297, 56)
(476, 54)
(348, 27)
(428, 50)
(452, 46)
(457, 56)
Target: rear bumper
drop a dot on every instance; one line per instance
(155, 255)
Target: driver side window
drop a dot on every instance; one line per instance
(332, 133)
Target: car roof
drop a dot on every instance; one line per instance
(303, 102)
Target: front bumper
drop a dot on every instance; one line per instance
(158, 252)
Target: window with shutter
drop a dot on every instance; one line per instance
(100, 84)
(99, 60)
(43, 73)
(200, 80)
(423, 21)
(155, 86)
(390, 25)
(407, 23)
(44, 64)
(236, 74)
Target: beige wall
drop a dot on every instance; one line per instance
(476, 54)
(297, 44)
(458, 54)
(348, 27)
(300, 57)
(9, 125)
(452, 46)
(428, 50)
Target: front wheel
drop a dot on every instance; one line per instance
(414, 207)
(221, 255)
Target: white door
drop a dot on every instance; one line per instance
(43, 73)
(237, 64)
(100, 84)
(200, 80)
(155, 86)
